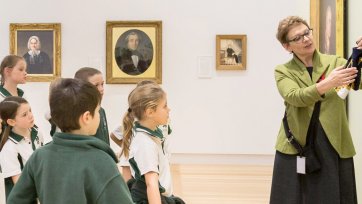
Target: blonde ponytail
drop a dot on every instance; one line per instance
(128, 121)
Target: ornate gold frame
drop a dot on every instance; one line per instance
(220, 64)
(114, 30)
(38, 27)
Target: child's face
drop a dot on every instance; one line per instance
(97, 80)
(24, 117)
(161, 114)
(18, 72)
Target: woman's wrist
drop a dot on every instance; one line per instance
(324, 86)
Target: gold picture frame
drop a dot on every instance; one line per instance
(39, 44)
(231, 52)
(326, 20)
(133, 51)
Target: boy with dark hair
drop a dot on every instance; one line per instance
(94, 76)
(75, 167)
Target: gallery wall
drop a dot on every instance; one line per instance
(227, 113)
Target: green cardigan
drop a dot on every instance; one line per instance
(300, 94)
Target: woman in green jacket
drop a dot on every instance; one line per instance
(311, 77)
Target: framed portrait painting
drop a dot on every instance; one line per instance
(231, 52)
(134, 51)
(327, 22)
(39, 44)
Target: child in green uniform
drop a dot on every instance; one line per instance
(75, 167)
(143, 144)
(19, 139)
(13, 72)
(117, 136)
(94, 76)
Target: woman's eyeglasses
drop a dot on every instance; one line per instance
(300, 38)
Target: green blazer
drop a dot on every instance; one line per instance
(300, 94)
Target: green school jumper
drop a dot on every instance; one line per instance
(102, 131)
(71, 169)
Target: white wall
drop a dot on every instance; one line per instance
(355, 98)
(233, 112)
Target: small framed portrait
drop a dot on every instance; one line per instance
(39, 44)
(327, 22)
(134, 51)
(231, 52)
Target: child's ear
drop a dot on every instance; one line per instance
(149, 112)
(84, 118)
(7, 70)
(11, 122)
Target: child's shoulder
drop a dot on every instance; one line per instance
(142, 136)
(144, 140)
(89, 154)
(9, 146)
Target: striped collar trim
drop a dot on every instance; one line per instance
(156, 133)
(17, 138)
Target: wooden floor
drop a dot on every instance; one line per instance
(219, 184)
(222, 184)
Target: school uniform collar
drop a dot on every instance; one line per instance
(17, 138)
(301, 71)
(156, 133)
(6, 93)
(82, 141)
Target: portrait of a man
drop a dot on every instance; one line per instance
(38, 61)
(134, 52)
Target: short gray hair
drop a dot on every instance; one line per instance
(286, 24)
